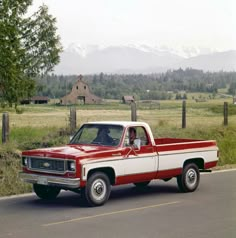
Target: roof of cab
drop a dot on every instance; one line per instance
(122, 123)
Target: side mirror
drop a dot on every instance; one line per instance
(137, 143)
(71, 136)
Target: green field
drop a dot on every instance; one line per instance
(47, 125)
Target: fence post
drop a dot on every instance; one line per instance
(133, 111)
(5, 127)
(225, 114)
(184, 114)
(72, 119)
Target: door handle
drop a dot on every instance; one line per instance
(117, 154)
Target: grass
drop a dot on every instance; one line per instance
(9, 168)
(47, 125)
(225, 137)
(10, 154)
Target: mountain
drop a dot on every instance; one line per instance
(218, 61)
(129, 59)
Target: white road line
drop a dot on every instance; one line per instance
(111, 213)
(16, 196)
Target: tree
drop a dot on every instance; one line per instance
(29, 47)
(178, 96)
(232, 88)
(185, 96)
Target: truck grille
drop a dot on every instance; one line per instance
(47, 165)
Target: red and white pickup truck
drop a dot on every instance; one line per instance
(102, 154)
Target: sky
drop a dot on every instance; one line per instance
(177, 24)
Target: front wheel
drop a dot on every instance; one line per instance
(46, 192)
(189, 180)
(97, 190)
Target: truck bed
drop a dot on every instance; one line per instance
(164, 144)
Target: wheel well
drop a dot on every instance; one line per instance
(198, 161)
(106, 170)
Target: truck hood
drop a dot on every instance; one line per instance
(68, 151)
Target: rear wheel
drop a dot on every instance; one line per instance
(97, 190)
(189, 180)
(142, 184)
(46, 192)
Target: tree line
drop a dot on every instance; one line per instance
(144, 87)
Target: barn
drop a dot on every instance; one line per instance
(80, 94)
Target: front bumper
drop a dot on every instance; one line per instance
(67, 183)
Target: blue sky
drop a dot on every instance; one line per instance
(206, 24)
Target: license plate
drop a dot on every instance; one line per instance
(42, 181)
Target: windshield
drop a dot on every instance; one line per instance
(97, 134)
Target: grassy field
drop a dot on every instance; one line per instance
(47, 125)
(170, 111)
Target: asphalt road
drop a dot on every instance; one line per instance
(159, 211)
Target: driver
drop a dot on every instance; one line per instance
(132, 135)
(103, 137)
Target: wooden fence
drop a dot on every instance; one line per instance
(73, 119)
(5, 127)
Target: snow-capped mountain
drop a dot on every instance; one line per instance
(217, 61)
(82, 50)
(79, 59)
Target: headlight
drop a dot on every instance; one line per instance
(24, 161)
(71, 166)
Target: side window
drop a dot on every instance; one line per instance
(141, 134)
(133, 133)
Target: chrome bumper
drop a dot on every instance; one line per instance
(50, 180)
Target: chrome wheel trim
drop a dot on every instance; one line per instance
(98, 189)
(191, 178)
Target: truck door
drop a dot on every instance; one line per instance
(140, 163)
